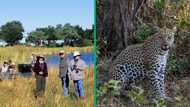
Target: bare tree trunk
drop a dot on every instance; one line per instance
(115, 24)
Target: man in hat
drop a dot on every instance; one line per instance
(76, 73)
(63, 72)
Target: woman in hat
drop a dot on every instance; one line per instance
(41, 72)
(76, 73)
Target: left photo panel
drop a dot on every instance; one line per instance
(47, 53)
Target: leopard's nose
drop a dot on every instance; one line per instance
(165, 47)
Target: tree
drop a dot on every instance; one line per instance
(51, 34)
(80, 31)
(36, 36)
(12, 32)
(70, 33)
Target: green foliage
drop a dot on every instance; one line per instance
(172, 66)
(183, 23)
(179, 60)
(137, 96)
(60, 32)
(159, 103)
(35, 36)
(12, 31)
(142, 32)
(112, 86)
(66, 32)
(69, 32)
(86, 42)
(159, 4)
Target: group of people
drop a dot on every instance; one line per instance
(68, 70)
(8, 70)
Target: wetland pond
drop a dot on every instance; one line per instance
(53, 62)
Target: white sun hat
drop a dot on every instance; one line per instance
(62, 51)
(76, 53)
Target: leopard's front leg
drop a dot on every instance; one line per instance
(158, 84)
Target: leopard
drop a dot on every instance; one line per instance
(145, 61)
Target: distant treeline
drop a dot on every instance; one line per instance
(12, 33)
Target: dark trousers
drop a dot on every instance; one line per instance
(40, 84)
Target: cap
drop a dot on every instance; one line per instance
(76, 53)
(61, 52)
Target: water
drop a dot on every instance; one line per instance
(53, 61)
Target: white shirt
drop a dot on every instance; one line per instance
(4, 68)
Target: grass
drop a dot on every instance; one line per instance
(22, 54)
(19, 92)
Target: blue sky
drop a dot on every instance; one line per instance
(41, 13)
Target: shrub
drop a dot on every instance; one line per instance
(112, 86)
(142, 32)
(179, 60)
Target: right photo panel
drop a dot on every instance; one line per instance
(143, 53)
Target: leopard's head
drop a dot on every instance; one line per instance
(163, 40)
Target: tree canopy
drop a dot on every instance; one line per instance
(65, 32)
(12, 32)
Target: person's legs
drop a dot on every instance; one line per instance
(43, 84)
(65, 85)
(38, 83)
(38, 86)
(80, 88)
(3, 75)
(76, 87)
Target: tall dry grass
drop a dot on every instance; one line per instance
(22, 54)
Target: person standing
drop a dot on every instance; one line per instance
(63, 72)
(41, 72)
(4, 70)
(33, 60)
(76, 73)
(12, 70)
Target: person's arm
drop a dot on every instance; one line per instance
(81, 66)
(36, 68)
(69, 67)
(70, 64)
(45, 70)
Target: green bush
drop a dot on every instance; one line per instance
(142, 32)
(112, 86)
(86, 42)
(137, 96)
(179, 60)
(183, 23)
(159, 4)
